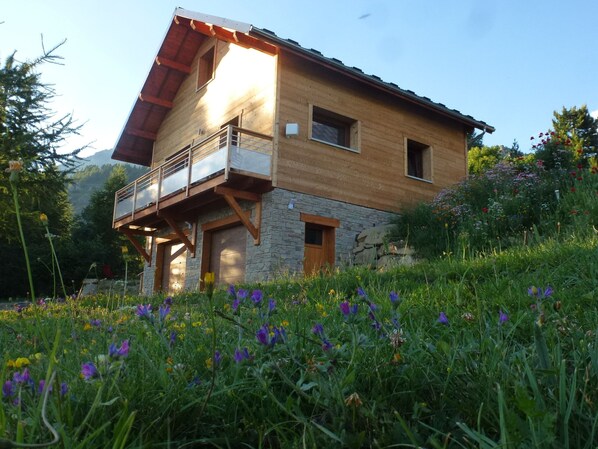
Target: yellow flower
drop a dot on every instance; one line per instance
(396, 358)
(87, 327)
(21, 362)
(44, 219)
(209, 363)
(284, 323)
(196, 324)
(227, 307)
(331, 292)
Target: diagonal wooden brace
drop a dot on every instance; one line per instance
(180, 234)
(231, 196)
(140, 249)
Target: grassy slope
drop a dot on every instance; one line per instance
(472, 383)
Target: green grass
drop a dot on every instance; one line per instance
(529, 382)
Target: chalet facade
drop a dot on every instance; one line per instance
(267, 157)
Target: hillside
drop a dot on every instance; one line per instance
(92, 174)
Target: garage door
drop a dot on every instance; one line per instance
(228, 255)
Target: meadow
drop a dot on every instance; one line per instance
(498, 351)
(492, 342)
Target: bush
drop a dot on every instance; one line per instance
(507, 204)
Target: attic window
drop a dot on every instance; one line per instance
(335, 129)
(419, 160)
(205, 70)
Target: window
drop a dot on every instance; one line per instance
(335, 129)
(205, 70)
(419, 160)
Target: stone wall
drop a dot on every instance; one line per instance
(373, 248)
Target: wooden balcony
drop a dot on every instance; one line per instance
(231, 160)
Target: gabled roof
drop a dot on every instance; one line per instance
(172, 64)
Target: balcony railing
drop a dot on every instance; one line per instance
(232, 149)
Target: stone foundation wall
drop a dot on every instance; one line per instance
(282, 236)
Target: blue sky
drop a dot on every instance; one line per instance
(510, 63)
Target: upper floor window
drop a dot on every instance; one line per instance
(335, 129)
(419, 160)
(205, 70)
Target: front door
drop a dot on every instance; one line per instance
(228, 255)
(319, 248)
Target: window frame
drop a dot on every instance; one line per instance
(349, 126)
(202, 74)
(425, 153)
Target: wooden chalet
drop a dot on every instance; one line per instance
(266, 156)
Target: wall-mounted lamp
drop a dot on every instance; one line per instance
(291, 129)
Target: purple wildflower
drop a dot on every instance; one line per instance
(540, 293)
(262, 335)
(394, 299)
(22, 378)
(121, 352)
(172, 339)
(144, 311)
(443, 319)
(217, 358)
(168, 301)
(89, 371)
(242, 293)
(64, 388)
(163, 312)
(110, 329)
(361, 292)
(8, 389)
(41, 385)
(326, 345)
(271, 305)
(231, 291)
(354, 309)
(345, 308)
(256, 297)
(318, 330)
(95, 323)
(280, 336)
(373, 307)
(241, 355)
(502, 317)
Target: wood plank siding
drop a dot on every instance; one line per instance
(243, 85)
(375, 175)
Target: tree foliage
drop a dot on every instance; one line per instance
(32, 133)
(573, 139)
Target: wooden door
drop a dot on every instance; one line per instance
(228, 255)
(319, 248)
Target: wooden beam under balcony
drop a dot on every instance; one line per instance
(170, 64)
(156, 101)
(141, 133)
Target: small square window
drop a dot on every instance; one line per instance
(419, 160)
(333, 128)
(206, 67)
